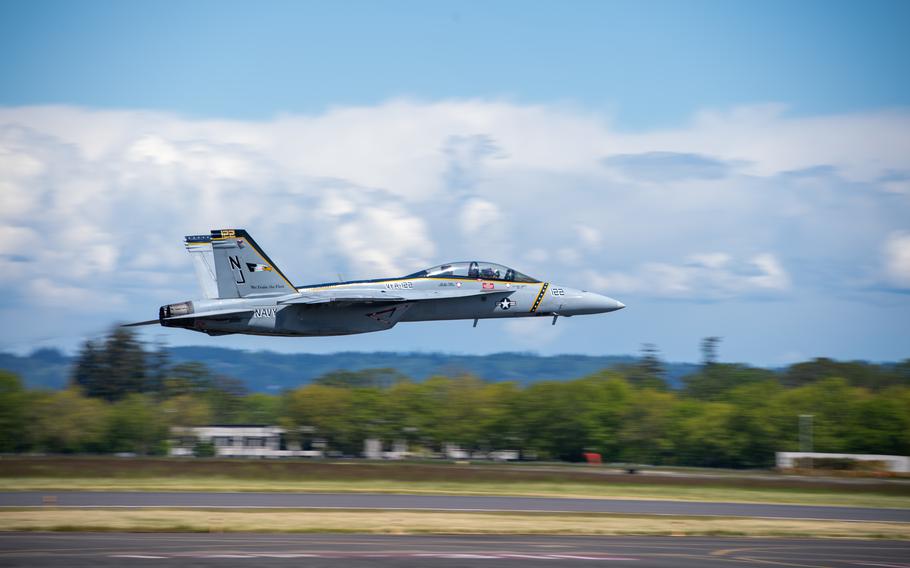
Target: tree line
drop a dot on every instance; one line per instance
(124, 397)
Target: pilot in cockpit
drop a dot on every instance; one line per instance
(489, 273)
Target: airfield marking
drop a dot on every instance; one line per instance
(355, 555)
(387, 550)
(442, 503)
(419, 509)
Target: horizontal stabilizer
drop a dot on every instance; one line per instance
(138, 323)
(207, 315)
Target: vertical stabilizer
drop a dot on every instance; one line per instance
(243, 269)
(200, 249)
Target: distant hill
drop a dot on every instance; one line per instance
(264, 370)
(44, 368)
(269, 371)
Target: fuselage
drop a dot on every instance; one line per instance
(247, 293)
(494, 298)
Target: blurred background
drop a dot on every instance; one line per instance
(117, 396)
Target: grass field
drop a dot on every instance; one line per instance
(415, 522)
(150, 474)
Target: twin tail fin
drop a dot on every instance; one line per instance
(229, 264)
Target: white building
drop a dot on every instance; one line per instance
(896, 464)
(373, 449)
(238, 441)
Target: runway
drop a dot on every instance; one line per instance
(330, 551)
(442, 503)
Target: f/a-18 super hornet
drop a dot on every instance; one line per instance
(245, 292)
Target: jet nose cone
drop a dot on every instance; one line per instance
(600, 304)
(611, 304)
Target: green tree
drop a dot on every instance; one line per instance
(136, 425)
(186, 410)
(114, 370)
(856, 373)
(68, 422)
(225, 396)
(124, 364)
(260, 408)
(564, 419)
(715, 381)
(881, 423)
(158, 365)
(188, 378)
(328, 411)
(13, 418)
(460, 409)
(645, 431)
(835, 407)
(651, 371)
(409, 410)
(709, 350)
(377, 378)
(703, 436)
(498, 428)
(88, 369)
(762, 420)
(648, 373)
(204, 449)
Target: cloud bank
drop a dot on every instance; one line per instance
(742, 204)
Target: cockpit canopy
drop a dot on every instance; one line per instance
(474, 269)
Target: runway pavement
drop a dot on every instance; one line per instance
(325, 551)
(442, 503)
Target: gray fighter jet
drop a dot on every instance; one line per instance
(245, 292)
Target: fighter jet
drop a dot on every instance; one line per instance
(245, 292)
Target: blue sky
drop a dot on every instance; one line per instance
(725, 168)
(649, 63)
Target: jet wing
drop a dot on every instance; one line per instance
(368, 296)
(374, 295)
(442, 294)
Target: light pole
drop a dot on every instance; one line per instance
(805, 432)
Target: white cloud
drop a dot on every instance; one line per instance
(710, 260)
(17, 170)
(705, 276)
(769, 274)
(384, 241)
(152, 149)
(537, 256)
(568, 256)
(479, 215)
(861, 145)
(15, 240)
(97, 201)
(533, 332)
(337, 206)
(43, 292)
(897, 259)
(588, 236)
